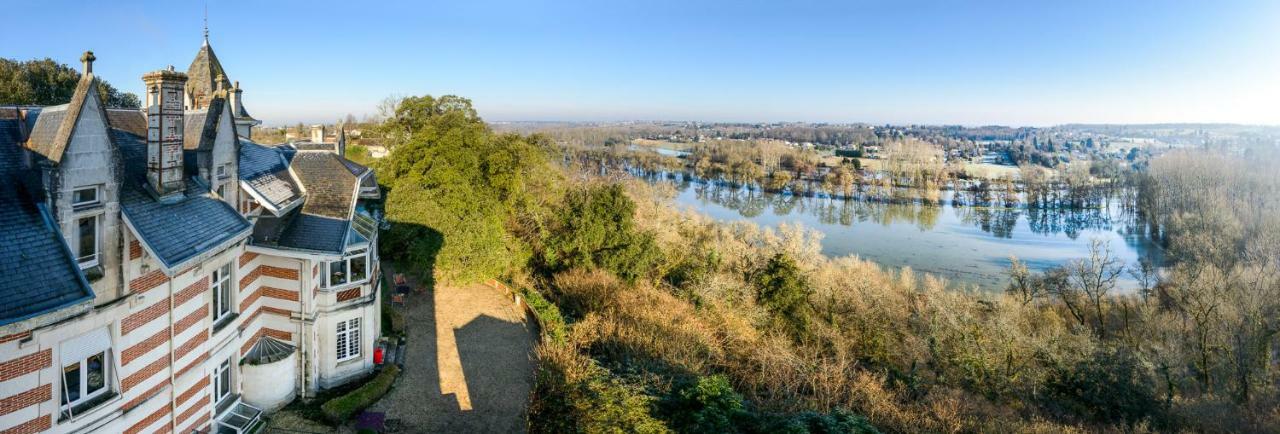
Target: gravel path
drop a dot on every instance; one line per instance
(468, 366)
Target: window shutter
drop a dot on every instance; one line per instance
(78, 348)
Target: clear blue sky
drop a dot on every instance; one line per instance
(1010, 62)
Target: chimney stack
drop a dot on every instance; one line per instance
(165, 95)
(237, 110)
(342, 140)
(317, 134)
(87, 59)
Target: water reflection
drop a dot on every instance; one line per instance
(999, 222)
(965, 244)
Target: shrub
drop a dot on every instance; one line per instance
(783, 290)
(553, 325)
(344, 407)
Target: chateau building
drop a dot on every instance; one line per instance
(165, 273)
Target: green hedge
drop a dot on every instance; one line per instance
(342, 408)
(548, 314)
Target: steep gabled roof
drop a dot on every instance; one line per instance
(55, 125)
(200, 126)
(329, 183)
(174, 232)
(202, 76)
(132, 120)
(31, 246)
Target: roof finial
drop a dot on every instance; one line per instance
(206, 23)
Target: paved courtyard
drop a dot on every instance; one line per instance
(468, 366)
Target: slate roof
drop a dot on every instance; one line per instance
(202, 76)
(299, 230)
(323, 222)
(179, 231)
(328, 182)
(265, 170)
(52, 131)
(131, 120)
(200, 127)
(30, 244)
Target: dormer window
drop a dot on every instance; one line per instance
(86, 240)
(85, 197)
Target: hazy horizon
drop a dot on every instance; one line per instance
(928, 63)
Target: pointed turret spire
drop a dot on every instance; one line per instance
(206, 24)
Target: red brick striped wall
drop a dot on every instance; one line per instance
(147, 281)
(25, 365)
(26, 399)
(14, 337)
(135, 250)
(143, 397)
(193, 318)
(147, 421)
(199, 386)
(349, 294)
(143, 374)
(191, 291)
(139, 318)
(280, 294)
(32, 426)
(132, 353)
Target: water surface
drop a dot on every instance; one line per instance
(967, 245)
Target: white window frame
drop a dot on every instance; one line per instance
(345, 262)
(220, 282)
(82, 383)
(221, 392)
(93, 259)
(97, 197)
(347, 339)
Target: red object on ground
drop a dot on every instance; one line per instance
(377, 356)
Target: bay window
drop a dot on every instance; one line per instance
(348, 339)
(354, 268)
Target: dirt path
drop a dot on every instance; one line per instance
(468, 366)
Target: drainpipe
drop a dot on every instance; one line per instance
(173, 385)
(302, 325)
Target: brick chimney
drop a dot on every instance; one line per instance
(165, 95)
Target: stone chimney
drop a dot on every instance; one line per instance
(342, 140)
(317, 134)
(87, 59)
(165, 95)
(237, 110)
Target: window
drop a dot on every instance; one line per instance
(348, 339)
(87, 241)
(84, 379)
(222, 190)
(86, 369)
(337, 273)
(222, 382)
(222, 171)
(352, 269)
(84, 196)
(221, 281)
(359, 268)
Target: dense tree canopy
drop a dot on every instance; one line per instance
(46, 82)
(455, 188)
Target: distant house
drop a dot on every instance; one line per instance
(165, 273)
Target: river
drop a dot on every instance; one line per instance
(967, 245)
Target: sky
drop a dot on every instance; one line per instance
(1029, 62)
